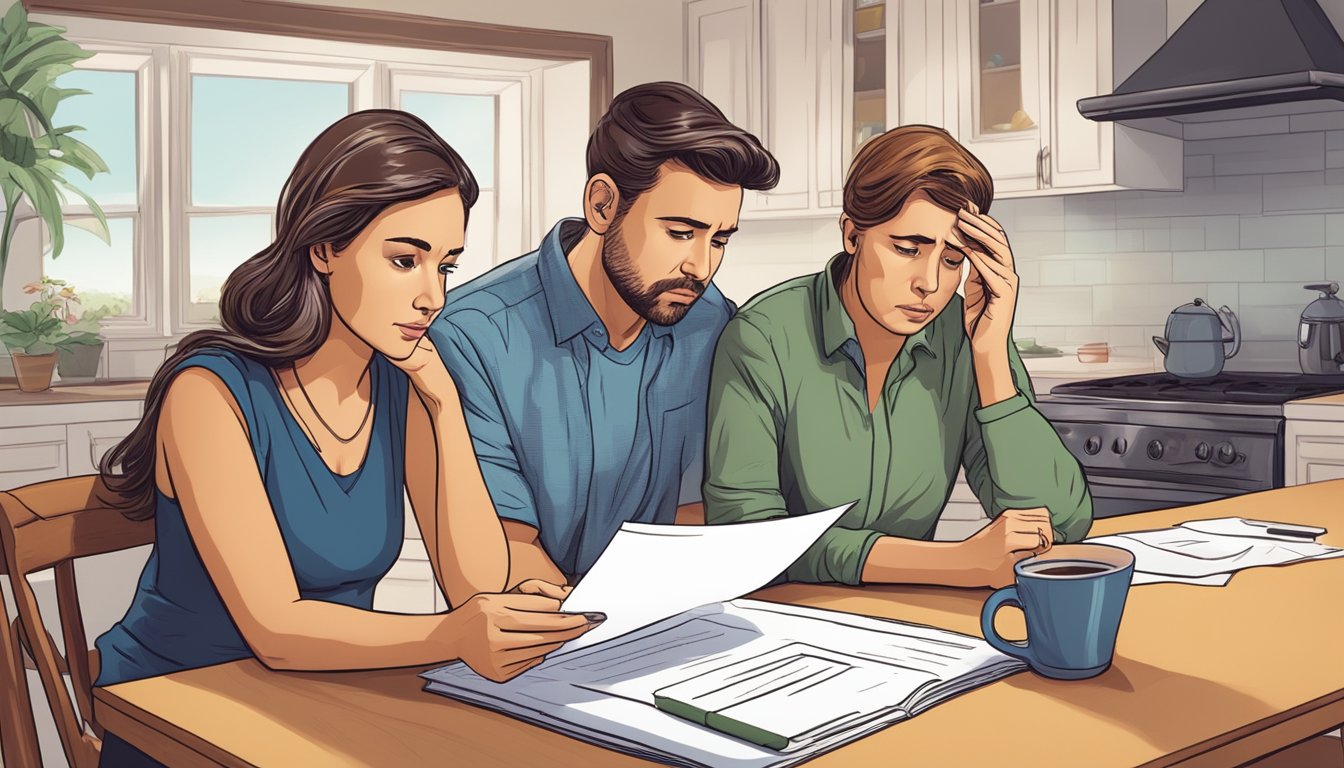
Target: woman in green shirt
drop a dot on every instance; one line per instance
(874, 380)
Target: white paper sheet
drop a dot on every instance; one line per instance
(1257, 529)
(651, 572)
(1183, 554)
(1216, 580)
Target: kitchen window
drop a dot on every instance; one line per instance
(200, 129)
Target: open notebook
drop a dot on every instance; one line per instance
(745, 683)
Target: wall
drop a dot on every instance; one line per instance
(647, 37)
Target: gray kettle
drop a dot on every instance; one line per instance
(1320, 336)
(1194, 344)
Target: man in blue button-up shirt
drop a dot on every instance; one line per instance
(583, 366)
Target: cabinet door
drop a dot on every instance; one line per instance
(721, 56)
(88, 443)
(1320, 459)
(834, 120)
(31, 455)
(1080, 152)
(1002, 111)
(789, 100)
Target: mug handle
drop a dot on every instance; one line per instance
(1000, 598)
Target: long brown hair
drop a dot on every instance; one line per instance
(909, 159)
(275, 308)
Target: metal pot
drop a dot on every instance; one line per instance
(1320, 335)
(1195, 344)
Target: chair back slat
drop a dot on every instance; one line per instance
(18, 732)
(50, 525)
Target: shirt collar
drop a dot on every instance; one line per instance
(837, 329)
(570, 311)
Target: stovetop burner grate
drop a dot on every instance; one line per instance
(1251, 388)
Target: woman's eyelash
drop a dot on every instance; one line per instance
(907, 251)
(447, 269)
(680, 234)
(397, 261)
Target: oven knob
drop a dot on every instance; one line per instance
(1120, 445)
(1092, 446)
(1155, 450)
(1226, 453)
(1203, 452)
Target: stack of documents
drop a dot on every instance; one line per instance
(1208, 552)
(682, 672)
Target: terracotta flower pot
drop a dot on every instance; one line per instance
(34, 371)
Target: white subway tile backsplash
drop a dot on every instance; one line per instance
(1303, 264)
(1034, 243)
(1090, 241)
(1055, 306)
(1028, 272)
(1334, 263)
(1278, 153)
(1090, 271)
(1198, 165)
(1206, 196)
(1334, 139)
(1089, 212)
(1186, 235)
(1129, 240)
(1334, 158)
(1221, 233)
(1317, 121)
(1086, 334)
(1220, 129)
(1265, 356)
(1157, 239)
(1057, 273)
(1270, 311)
(1302, 192)
(1334, 229)
(1202, 266)
(1141, 304)
(1282, 231)
(1034, 213)
(1139, 268)
(1224, 295)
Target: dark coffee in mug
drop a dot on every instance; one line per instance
(1066, 568)
(1073, 596)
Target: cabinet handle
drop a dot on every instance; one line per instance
(1040, 176)
(1046, 176)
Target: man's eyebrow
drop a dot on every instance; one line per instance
(696, 223)
(456, 251)
(415, 241)
(726, 232)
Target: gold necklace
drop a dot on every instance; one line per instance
(318, 413)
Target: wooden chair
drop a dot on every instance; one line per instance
(50, 525)
(18, 732)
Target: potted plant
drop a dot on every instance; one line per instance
(33, 337)
(80, 346)
(35, 153)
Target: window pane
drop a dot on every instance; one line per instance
(103, 275)
(466, 122)
(107, 114)
(247, 133)
(218, 245)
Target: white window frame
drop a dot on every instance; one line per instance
(146, 316)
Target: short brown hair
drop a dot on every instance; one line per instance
(912, 158)
(650, 124)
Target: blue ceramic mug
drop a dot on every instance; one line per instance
(1073, 597)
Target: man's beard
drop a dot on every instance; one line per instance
(620, 269)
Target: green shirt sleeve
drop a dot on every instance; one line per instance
(1014, 459)
(742, 454)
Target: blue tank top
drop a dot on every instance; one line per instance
(343, 533)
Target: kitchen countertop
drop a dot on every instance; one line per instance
(112, 391)
(1324, 408)
(1069, 367)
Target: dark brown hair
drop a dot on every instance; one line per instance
(275, 307)
(913, 158)
(650, 124)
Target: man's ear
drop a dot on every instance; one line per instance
(850, 233)
(600, 200)
(320, 256)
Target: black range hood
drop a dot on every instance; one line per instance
(1232, 54)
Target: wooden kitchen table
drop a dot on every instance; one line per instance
(1203, 676)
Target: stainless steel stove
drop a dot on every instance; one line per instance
(1155, 441)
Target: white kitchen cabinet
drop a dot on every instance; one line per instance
(783, 69)
(88, 442)
(31, 455)
(1315, 451)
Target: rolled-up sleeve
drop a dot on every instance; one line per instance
(490, 437)
(1014, 459)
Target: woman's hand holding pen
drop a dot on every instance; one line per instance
(501, 636)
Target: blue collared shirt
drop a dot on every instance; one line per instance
(518, 341)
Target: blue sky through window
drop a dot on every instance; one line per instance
(466, 122)
(101, 274)
(247, 133)
(107, 114)
(218, 245)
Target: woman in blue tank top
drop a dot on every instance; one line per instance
(273, 452)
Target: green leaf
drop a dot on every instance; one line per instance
(15, 24)
(101, 231)
(42, 193)
(57, 52)
(19, 150)
(49, 97)
(29, 104)
(20, 47)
